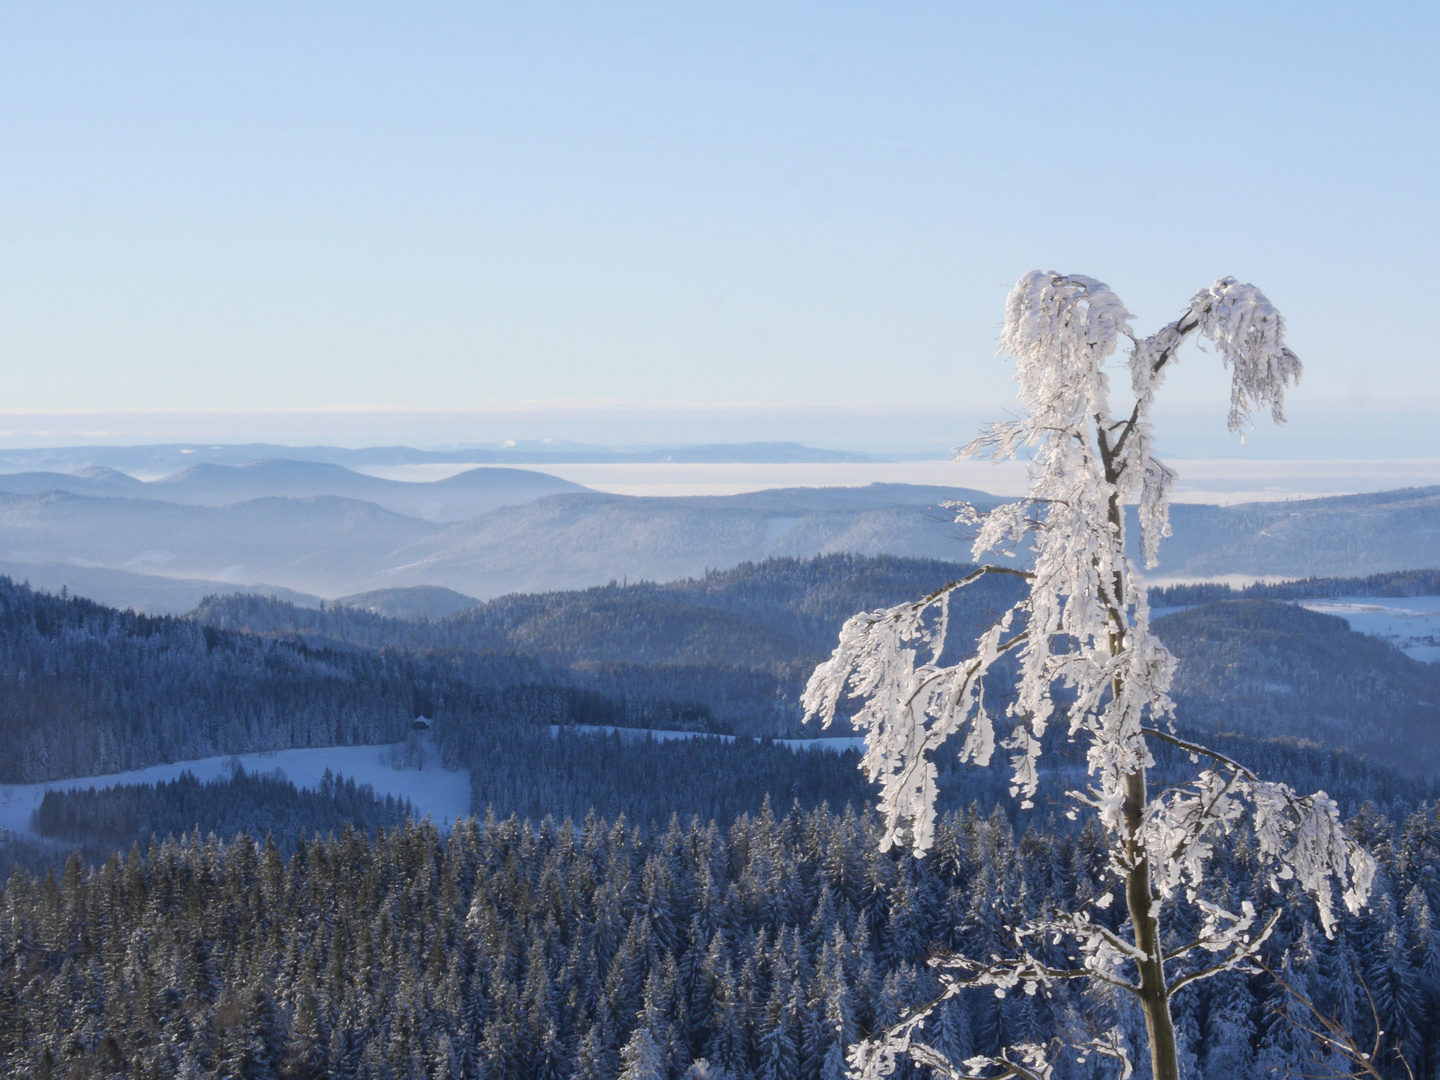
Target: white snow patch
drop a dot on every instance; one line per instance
(1410, 623)
(433, 790)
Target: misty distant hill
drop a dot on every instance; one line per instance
(146, 594)
(97, 480)
(331, 545)
(465, 495)
(580, 540)
(585, 539)
(1338, 536)
(172, 457)
(326, 543)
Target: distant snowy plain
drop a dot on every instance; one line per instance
(1410, 623)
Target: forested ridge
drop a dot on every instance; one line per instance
(86, 689)
(743, 641)
(1263, 667)
(757, 614)
(1395, 584)
(740, 641)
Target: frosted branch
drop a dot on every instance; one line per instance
(1085, 627)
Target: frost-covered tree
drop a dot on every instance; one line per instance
(1085, 655)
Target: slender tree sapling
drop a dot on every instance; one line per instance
(1084, 628)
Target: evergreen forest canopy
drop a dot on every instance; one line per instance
(1397, 584)
(601, 951)
(263, 804)
(597, 948)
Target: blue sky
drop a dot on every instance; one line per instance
(282, 206)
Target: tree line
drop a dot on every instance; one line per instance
(256, 802)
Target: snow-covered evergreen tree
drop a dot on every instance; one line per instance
(642, 1058)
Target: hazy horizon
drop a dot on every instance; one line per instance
(1381, 430)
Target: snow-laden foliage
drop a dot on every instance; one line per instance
(1083, 632)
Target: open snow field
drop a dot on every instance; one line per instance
(1411, 623)
(434, 791)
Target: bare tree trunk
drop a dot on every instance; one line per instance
(1139, 897)
(1154, 995)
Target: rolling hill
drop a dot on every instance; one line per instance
(1260, 669)
(1344, 535)
(338, 545)
(415, 602)
(333, 546)
(322, 544)
(575, 541)
(465, 495)
(1267, 669)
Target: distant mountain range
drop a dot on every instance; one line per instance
(579, 540)
(307, 529)
(329, 544)
(1339, 536)
(465, 495)
(145, 593)
(171, 457)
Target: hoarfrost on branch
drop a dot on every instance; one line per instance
(1084, 626)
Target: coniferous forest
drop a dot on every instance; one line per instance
(623, 908)
(266, 805)
(599, 949)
